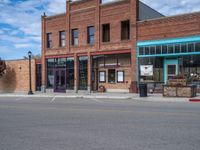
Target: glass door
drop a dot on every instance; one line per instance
(60, 80)
(171, 71)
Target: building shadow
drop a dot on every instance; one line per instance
(8, 80)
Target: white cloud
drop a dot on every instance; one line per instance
(22, 19)
(56, 6)
(4, 50)
(1, 31)
(174, 7)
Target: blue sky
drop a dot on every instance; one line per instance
(20, 29)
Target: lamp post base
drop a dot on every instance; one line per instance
(30, 93)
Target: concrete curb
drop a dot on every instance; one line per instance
(68, 96)
(152, 98)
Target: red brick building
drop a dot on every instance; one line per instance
(97, 44)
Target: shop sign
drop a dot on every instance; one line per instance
(146, 70)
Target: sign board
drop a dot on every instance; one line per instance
(146, 70)
(120, 76)
(102, 76)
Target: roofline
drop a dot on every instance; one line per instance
(151, 8)
(20, 59)
(166, 17)
(113, 2)
(57, 15)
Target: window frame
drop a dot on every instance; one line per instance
(90, 35)
(74, 37)
(104, 76)
(62, 39)
(123, 76)
(49, 40)
(123, 28)
(104, 33)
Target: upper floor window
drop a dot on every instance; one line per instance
(106, 32)
(90, 35)
(49, 40)
(62, 39)
(74, 36)
(125, 30)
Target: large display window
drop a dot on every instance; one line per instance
(83, 74)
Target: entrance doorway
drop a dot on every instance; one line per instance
(170, 69)
(60, 80)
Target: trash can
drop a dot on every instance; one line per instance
(143, 89)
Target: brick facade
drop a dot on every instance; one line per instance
(169, 27)
(16, 78)
(81, 14)
(84, 13)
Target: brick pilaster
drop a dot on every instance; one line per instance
(43, 52)
(134, 4)
(89, 72)
(76, 71)
(97, 25)
(68, 37)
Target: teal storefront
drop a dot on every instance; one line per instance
(168, 58)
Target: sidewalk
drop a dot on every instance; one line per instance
(122, 96)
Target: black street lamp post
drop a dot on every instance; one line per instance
(30, 84)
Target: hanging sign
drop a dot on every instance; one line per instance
(146, 70)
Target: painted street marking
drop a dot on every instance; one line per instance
(94, 99)
(53, 99)
(19, 98)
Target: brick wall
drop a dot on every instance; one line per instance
(16, 78)
(169, 27)
(86, 13)
(82, 14)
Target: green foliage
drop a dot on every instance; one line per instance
(2, 67)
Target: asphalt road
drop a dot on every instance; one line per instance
(92, 124)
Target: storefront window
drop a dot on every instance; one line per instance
(177, 48)
(164, 49)
(111, 75)
(50, 78)
(102, 76)
(50, 73)
(152, 50)
(70, 73)
(183, 48)
(170, 49)
(110, 60)
(141, 50)
(60, 62)
(83, 62)
(146, 50)
(157, 63)
(158, 49)
(124, 59)
(191, 47)
(197, 47)
(120, 76)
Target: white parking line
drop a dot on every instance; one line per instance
(19, 98)
(53, 99)
(94, 99)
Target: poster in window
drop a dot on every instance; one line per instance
(102, 76)
(51, 79)
(146, 70)
(120, 76)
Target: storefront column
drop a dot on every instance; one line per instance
(43, 60)
(76, 78)
(89, 73)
